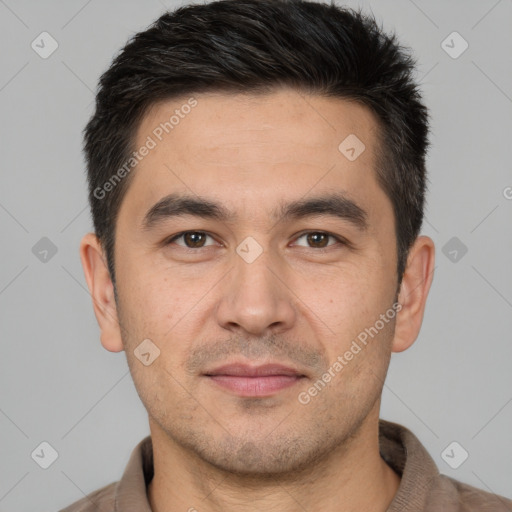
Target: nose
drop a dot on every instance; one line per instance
(256, 299)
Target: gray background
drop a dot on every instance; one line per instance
(60, 386)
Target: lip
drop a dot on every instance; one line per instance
(254, 381)
(245, 370)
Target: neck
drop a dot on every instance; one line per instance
(351, 478)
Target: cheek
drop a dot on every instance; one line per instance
(350, 300)
(357, 339)
(151, 300)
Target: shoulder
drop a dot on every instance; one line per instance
(463, 497)
(102, 499)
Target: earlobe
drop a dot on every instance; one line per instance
(102, 292)
(413, 294)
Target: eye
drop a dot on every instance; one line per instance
(319, 239)
(196, 239)
(191, 239)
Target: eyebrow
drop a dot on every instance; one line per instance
(333, 205)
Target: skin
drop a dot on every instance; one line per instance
(294, 304)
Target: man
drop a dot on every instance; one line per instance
(257, 179)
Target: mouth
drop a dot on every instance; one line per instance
(254, 381)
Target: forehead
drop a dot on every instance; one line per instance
(242, 148)
(219, 121)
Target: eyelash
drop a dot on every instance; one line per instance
(340, 241)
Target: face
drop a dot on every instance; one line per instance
(291, 258)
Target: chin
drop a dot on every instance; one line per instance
(261, 460)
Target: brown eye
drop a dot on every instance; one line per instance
(318, 239)
(191, 239)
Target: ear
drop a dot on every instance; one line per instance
(102, 292)
(414, 289)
